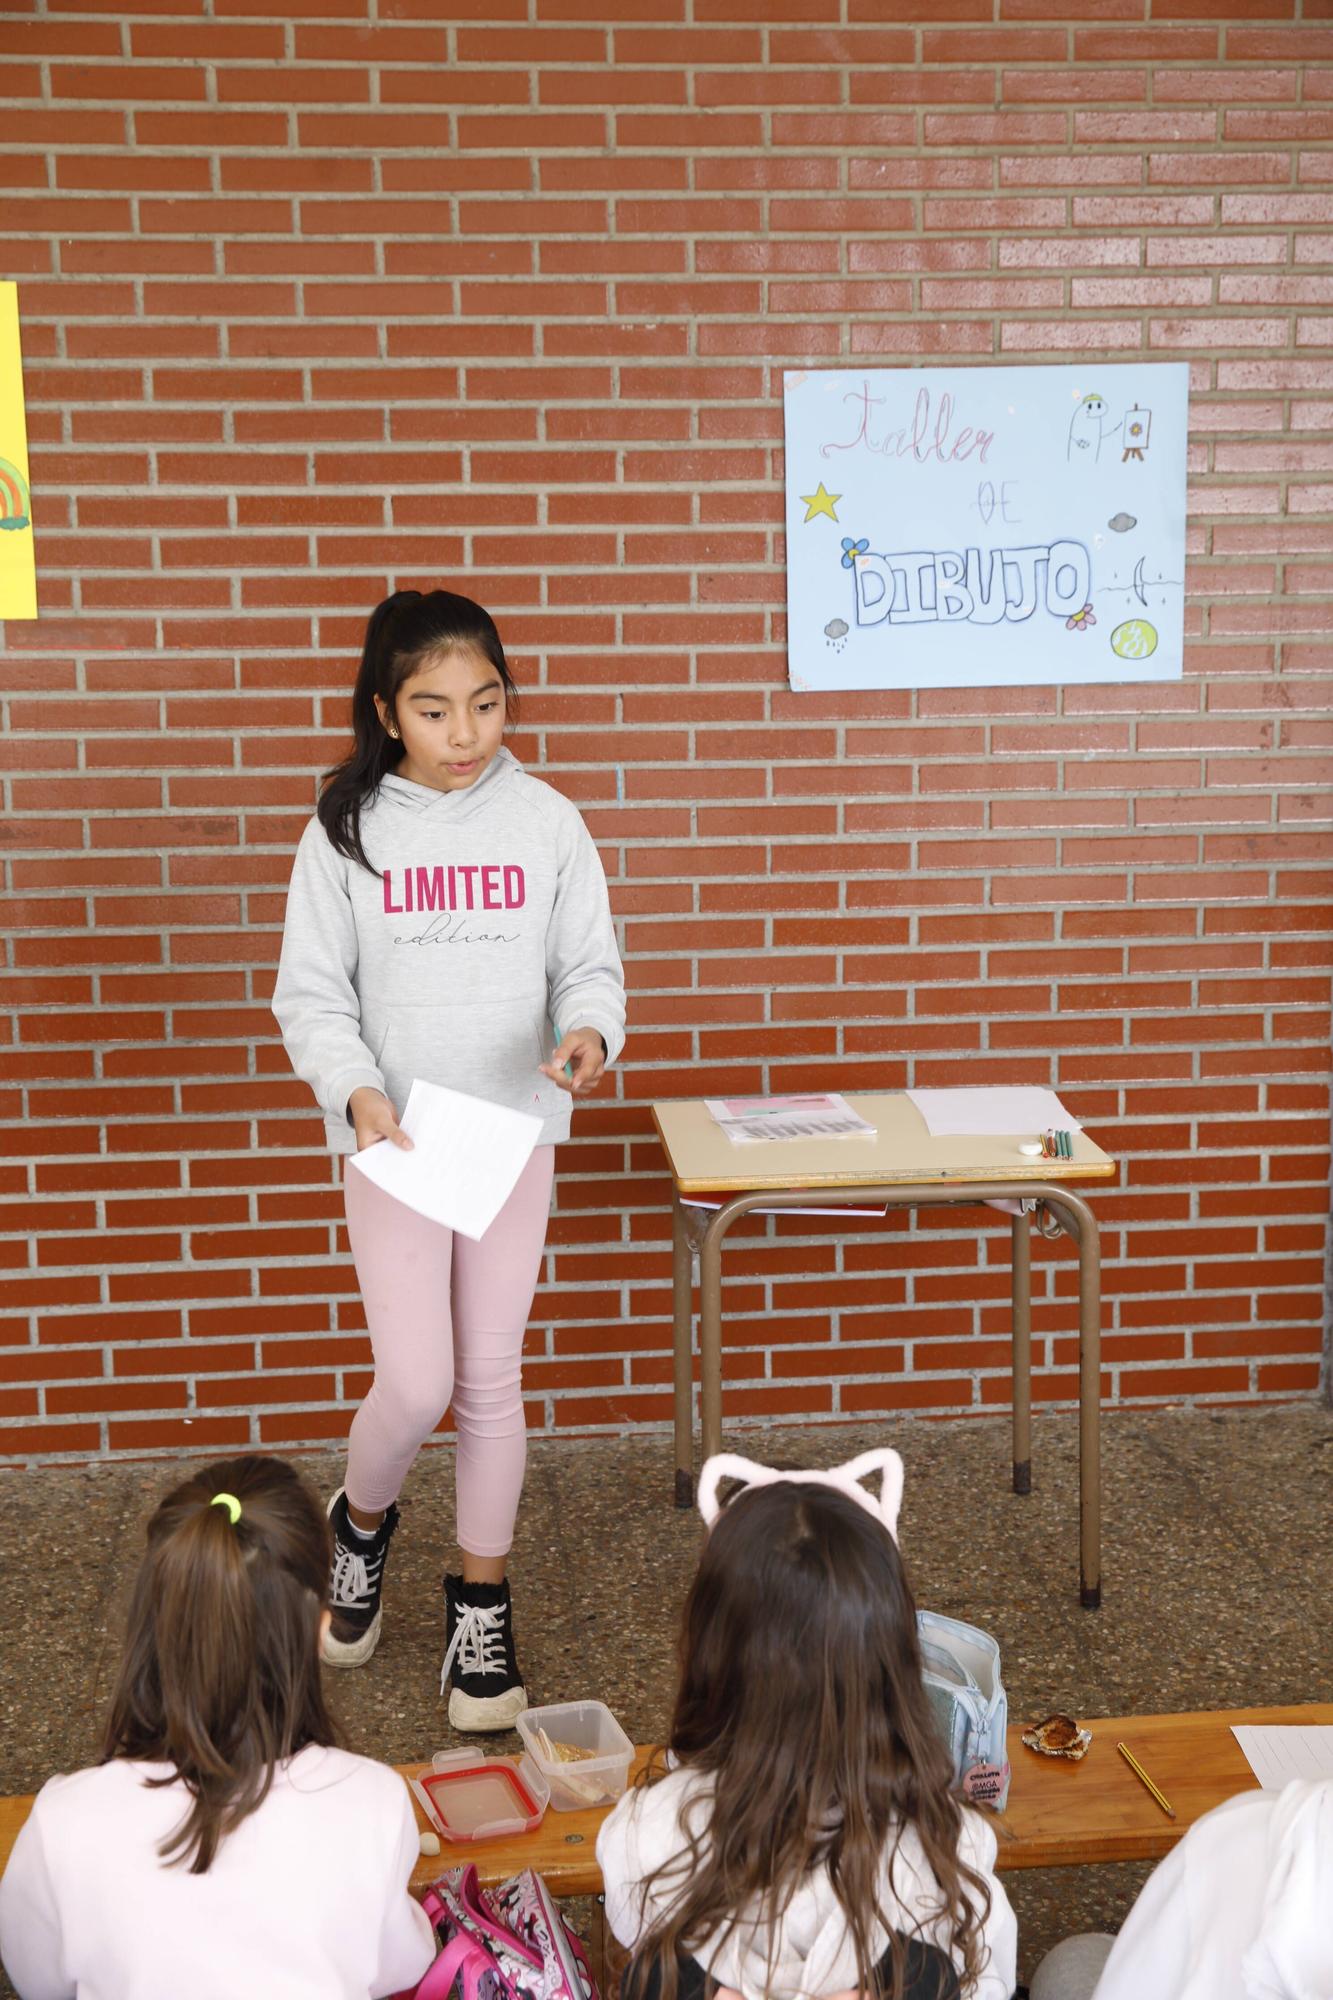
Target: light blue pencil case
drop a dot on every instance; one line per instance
(967, 1698)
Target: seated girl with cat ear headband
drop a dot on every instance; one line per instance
(805, 1841)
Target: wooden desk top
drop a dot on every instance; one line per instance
(1060, 1815)
(702, 1158)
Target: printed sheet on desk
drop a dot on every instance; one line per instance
(757, 1121)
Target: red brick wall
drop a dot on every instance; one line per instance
(314, 304)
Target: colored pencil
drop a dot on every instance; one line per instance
(1144, 1779)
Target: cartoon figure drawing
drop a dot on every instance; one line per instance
(1088, 428)
(1137, 424)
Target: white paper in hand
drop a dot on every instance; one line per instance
(465, 1161)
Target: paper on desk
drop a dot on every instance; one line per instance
(465, 1161)
(996, 1112)
(755, 1121)
(1277, 1752)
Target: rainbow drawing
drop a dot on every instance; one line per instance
(15, 499)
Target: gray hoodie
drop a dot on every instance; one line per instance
(484, 933)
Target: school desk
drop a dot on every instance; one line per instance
(902, 1166)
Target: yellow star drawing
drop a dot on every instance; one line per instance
(820, 503)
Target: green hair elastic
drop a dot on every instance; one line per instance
(230, 1502)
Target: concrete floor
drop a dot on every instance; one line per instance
(1215, 1572)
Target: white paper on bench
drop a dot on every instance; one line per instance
(465, 1161)
(1277, 1752)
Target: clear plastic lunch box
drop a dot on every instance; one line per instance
(597, 1779)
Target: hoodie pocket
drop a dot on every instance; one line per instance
(489, 1051)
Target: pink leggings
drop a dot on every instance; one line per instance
(447, 1318)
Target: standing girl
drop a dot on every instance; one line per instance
(447, 920)
(223, 1846)
(805, 1842)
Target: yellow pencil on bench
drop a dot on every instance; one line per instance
(1144, 1779)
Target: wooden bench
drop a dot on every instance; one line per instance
(1059, 1815)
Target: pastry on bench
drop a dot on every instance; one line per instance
(1058, 1736)
(590, 1789)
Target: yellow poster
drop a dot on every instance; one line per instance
(18, 570)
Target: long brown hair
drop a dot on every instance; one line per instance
(801, 1699)
(220, 1675)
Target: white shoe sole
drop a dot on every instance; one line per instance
(352, 1652)
(480, 1716)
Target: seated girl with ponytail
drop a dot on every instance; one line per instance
(223, 1845)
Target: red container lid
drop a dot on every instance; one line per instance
(480, 1800)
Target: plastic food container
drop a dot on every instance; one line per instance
(595, 1780)
(467, 1797)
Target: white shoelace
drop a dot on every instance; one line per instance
(478, 1641)
(351, 1583)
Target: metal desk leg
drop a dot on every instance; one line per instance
(1021, 1283)
(710, 1319)
(710, 1302)
(1090, 1414)
(1078, 1221)
(682, 1291)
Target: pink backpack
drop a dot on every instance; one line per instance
(509, 1943)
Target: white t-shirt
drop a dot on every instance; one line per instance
(307, 1899)
(813, 1953)
(1242, 1909)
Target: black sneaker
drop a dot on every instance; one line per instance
(354, 1586)
(488, 1691)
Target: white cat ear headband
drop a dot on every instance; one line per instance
(843, 1478)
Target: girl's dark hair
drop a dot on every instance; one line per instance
(402, 633)
(801, 1699)
(220, 1675)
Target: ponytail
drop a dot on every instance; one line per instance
(401, 635)
(220, 1676)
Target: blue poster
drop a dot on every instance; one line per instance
(985, 527)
